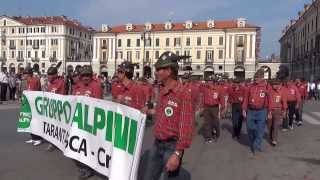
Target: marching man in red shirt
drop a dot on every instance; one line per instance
(130, 93)
(174, 121)
(236, 99)
(294, 102)
(255, 111)
(33, 84)
(214, 105)
(302, 88)
(87, 86)
(56, 85)
(277, 106)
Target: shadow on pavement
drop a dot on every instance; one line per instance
(313, 161)
(183, 175)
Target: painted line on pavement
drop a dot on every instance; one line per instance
(311, 119)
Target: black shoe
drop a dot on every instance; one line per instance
(85, 173)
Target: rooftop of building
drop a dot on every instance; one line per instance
(54, 20)
(222, 24)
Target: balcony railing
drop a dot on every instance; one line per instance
(35, 46)
(240, 45)
(104, 46)
(12, 46)
(3, 59)
(20, 59)
(53, 59)
(104, 61)
(35, 59)
(209, 61)
(239, 63)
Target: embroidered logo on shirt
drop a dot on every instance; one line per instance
(278, 99)
(262, 94)
(168, 111)
(54, 90)
(292, 91)
(215, 95)
(172, 103)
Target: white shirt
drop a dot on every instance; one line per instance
(313, 86)
(4, 78)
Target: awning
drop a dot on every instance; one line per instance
(104, 69)
(209, 69)
(239, 69)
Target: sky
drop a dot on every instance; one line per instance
(271, 15)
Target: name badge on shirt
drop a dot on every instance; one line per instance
(168, 111)
(292, 91)
(262, 94)
(215, 95)
(241, 99)
(54, 90)
(278, 99)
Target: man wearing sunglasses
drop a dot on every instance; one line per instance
(130, 93)
(174, 121)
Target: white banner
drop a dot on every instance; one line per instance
(104, 135)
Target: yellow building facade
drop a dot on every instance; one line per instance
(229, 47)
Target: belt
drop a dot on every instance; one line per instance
(216, 105)
(255, 108)
(169, 140)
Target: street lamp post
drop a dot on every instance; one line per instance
(145, 35)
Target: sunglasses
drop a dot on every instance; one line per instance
(86, 75)
(158, 69)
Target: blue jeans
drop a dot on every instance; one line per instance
(256, 122)
(159, 154)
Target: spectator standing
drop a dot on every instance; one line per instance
(4, 80)
(12, 85)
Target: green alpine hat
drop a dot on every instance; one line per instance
(167, 59)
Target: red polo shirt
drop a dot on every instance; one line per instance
(174, 116)
(132, 95)
(277, 99)
(58, 86)
(33, 84)
(256, 96)
(292, 93)
(237, 94)
(212, 95)
(93, 89)
(115, 89)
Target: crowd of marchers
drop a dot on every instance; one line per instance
(173, 102)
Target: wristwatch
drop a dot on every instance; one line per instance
(177, 153)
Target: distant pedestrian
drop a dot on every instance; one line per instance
(318, 90)
(4, 82)
(12, 86)
(312, 93)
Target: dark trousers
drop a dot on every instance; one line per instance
(12, 93)
(237, 119)
(274, 124)
(293, 111)
(4, 87)
(159, 154)
(211, 122)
